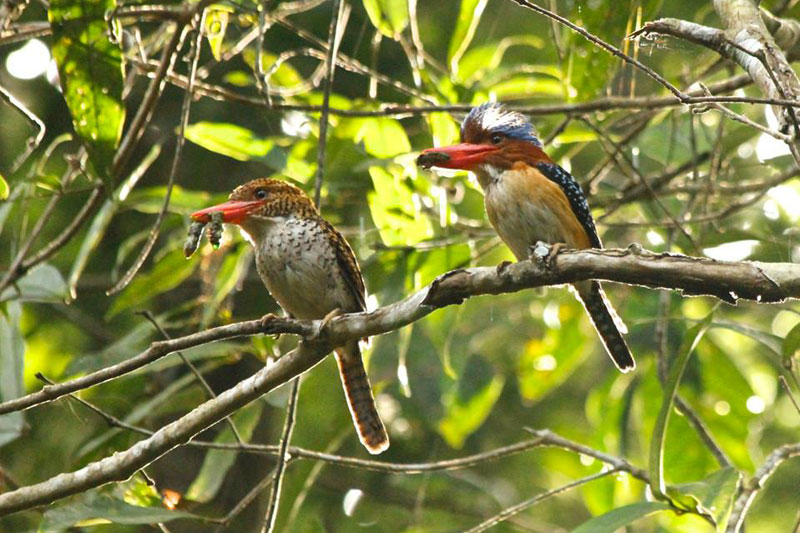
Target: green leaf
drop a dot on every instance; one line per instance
(546, 363)
(43, 283)
(620, 517)
(102, 508)
(464, 416)
(236, 142)
(383, 137)
(168, 272)
(217, 462)
(444, 129)
(182, 201)
(12, 364)
(791, 343)
(469, 16)
(690, 341)
(4, 190)
(214, 26)
(90, 69)
(715, 494)
(389, 16)
(396, 215)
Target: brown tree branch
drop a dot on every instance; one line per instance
(728, 281)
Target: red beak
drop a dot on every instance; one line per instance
(233, 212)
(464, 156)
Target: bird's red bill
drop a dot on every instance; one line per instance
(464, 156)
(233, 212)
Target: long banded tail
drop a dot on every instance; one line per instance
(607, 323)
(358, 392)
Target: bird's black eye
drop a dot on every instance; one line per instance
(261, 194)
(496, 138)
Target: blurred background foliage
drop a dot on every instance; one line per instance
(464, 380)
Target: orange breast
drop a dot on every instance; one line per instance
(525, 207)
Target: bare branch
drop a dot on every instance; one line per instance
(750, 487)
(728, 281)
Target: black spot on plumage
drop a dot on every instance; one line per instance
(577, 200)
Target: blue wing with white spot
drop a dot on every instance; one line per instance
(577, 200)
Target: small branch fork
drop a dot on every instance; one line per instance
(765, 282)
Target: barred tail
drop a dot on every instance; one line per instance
(358, 392)
(607, 323)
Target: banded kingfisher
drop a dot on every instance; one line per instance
(310, 270)
(531, 199)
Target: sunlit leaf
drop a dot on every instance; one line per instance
(182, 201)
(389, 16)
(383, 137)
(444, 129)
(217, 462)
(167, 273)
(621, 517)
(469, 16)
(547, 362)
(394, 210)
(101, 508)
(715, 494)
(236, 142)
(284, 75)
(214, 26)
(464, 415)
(90, 70)
(4, 190)
(12, 361)
(488, 59)
(527, 86)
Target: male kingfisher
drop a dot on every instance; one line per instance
(529, 198)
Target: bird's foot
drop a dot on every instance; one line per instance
(544, 253)
(330, 316)
(502, 267)
(266, 321)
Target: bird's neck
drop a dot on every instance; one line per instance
(488, 176)
(257, 228)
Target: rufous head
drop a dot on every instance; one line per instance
(492, 140)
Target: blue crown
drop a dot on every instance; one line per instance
(494, 118)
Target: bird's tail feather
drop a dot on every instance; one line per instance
(607, 323)
(358, 392)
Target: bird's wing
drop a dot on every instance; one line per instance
(577, 200)
(349, 267)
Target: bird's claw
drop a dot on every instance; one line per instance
(330, 316)
(544, 253)
(267, 319)
(503, 266)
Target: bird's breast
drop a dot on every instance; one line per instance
(525, 207)
(298, 264)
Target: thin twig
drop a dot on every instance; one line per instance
(283, 458)
(330, 64)
(193, 369)
(606, 46)
(507, 513)
(176, 161)
(36, 122)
